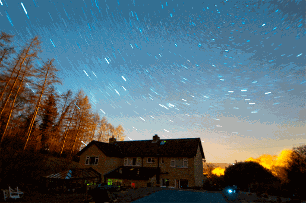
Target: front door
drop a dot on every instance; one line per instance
(183, 183)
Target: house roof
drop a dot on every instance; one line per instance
(164, 148)
(132, 173)
(76, 173)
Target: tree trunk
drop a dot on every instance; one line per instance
(11, 90)
(37, 107)
(11, 110)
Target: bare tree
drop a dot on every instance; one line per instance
(101, 135)
(119, 133)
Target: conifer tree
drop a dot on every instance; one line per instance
(49, 115)
(48, 76)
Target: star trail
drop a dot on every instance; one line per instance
(229, 72)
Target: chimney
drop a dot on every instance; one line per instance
(112, 140)
(155, 138)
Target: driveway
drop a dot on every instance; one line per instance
(183, 196)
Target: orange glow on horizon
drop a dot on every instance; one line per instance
(218, 171)
(272, 163)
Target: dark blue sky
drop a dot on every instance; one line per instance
(229, 72)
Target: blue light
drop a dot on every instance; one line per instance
(230, 191)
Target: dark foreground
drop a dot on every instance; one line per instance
(151, 194)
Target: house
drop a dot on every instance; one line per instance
(167, 163)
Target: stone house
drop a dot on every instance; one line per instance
(176, 163)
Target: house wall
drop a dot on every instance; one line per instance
(145, 164)
(105, 164)
(138, 183)
(177, 173)
(174, 173)
(198, 169)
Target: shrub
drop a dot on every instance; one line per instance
(248, 175)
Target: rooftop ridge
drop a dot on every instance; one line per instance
(160, 139)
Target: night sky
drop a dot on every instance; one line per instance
(229, 72)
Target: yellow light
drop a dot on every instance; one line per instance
(275, 164)
(218, 171)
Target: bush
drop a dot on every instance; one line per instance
(248, 175)
(214, 183)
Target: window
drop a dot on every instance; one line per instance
(165, 182)
(138, 161)
(150, 160)
(132, 161)
(116, 182)
(172, 163)
(91, 160)
(185, 163)
(125, 161)
(161, 160)
(179, 163)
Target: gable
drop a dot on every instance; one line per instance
(91, 149)
(201, 150)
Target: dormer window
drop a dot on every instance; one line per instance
(91, 160)
(150, 160)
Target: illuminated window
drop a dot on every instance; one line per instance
(150, 160)
(165, 182)
(116, 182)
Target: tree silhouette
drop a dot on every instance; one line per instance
(246, 174)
